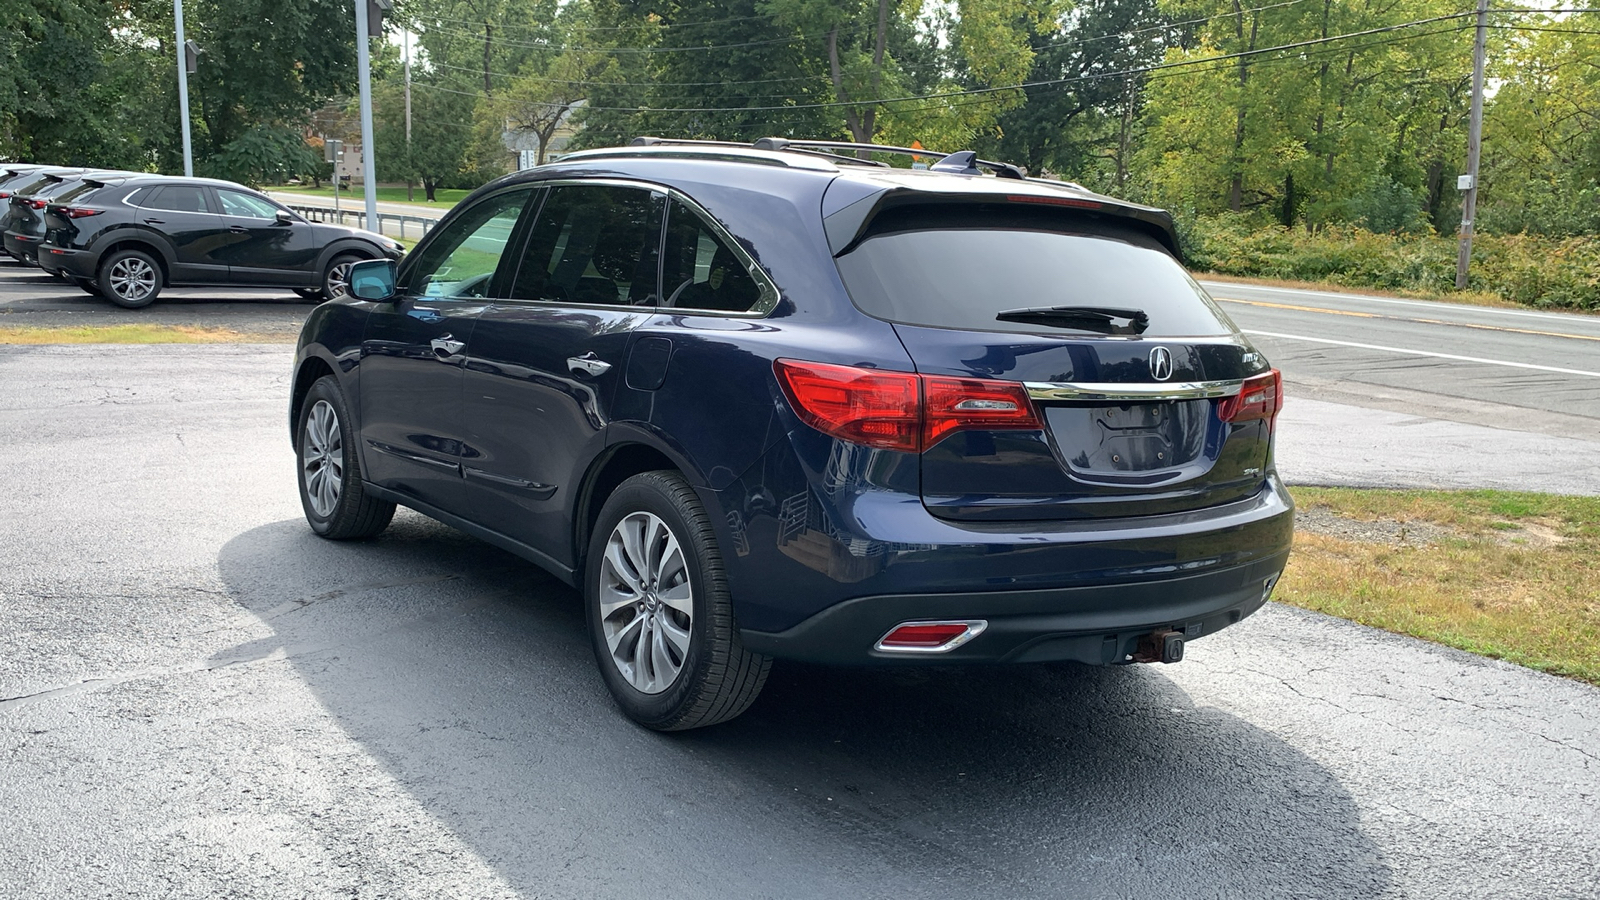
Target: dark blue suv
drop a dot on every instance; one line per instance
(762, 402)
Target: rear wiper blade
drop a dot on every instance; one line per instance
(1104, 319)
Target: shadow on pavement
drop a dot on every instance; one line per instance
(467, 673)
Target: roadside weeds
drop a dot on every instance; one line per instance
(138, 334)
(1502, 574)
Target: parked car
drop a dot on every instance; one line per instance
(757, 402)
(11, 170)
(22, 224)
(127, 238)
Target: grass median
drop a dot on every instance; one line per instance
(1502, 574)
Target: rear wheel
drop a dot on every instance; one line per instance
(87, 286)
(336, 279)
(331, 493)
(130, 278)
(315, 295)
(660, 615)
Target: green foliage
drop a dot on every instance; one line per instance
(265, 154)
(1523, 268)
(1385, 204)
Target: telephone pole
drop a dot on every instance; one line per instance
(1469, 182)
(364, 73)
(407, 42)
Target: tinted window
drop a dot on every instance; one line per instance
(178, 198)
(956, 268)
(699, 270)
(462, 259)
(80, 191)
(235, 203)
(594, 245)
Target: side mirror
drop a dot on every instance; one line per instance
(284, 218)
(372, 279)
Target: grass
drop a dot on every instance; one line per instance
(135, 334)
(1472, 298)
(1507, 575)
(445, 198)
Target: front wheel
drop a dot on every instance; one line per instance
(336, 504)
(660, 615)
(336, 278)
(130, 278)
(315, 295)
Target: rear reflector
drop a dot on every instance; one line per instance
(900, 410)
(1260, 398)
(930, 637)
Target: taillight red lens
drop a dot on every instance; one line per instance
(1260, 398)
(5, 195)
(952, 404)
(74, 212)
(900, 410)
(38, 204)
(862, 406)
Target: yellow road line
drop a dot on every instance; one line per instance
(1367, 315)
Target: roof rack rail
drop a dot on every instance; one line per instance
(650, 141)
(964, 161)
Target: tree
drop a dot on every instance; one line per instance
(440, 128)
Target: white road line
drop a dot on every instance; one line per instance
(1428, 304)
(1472, 359)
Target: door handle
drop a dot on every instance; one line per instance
(155, 221)
(237, 229)
(445, 347)
(588, 364)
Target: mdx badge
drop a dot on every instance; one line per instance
(1160, 363)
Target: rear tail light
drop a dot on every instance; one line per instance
(5, 195)
(900, 410)
(37, 204)
(76, 212)
(930, 637)
(1260, 398)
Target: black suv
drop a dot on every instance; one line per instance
(23, 222)
(125, 238)
(763, 402)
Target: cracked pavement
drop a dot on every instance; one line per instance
(199, 698)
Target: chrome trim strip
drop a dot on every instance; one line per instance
(975, 627)
(1192, 390)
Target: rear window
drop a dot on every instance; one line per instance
(957, 267)
(80, 191)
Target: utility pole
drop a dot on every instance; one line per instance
(1469, 181)
(407, 42)
(183, 87)
(364, 71)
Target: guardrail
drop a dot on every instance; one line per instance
(329, 214)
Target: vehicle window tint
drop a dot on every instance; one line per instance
(236, 204)
(699, 270)
(594, 244)
(178, 198)
(79, 191)
(950, 267)
(461, 260)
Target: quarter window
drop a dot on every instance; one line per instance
(595, 245)
(462, 259)
(700, 270)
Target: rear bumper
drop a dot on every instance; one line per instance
(1098, 624)
(22, 246)
(76, 263)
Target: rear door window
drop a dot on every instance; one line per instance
(243, 205)
(594, 245)
(958, 267)
(177, 198)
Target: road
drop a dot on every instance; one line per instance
(199, 698)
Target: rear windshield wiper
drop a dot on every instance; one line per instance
(1104, 319)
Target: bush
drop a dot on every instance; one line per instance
(1522, 268)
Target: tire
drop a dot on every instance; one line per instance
(336, 505)
(315, 295)
(696, 672)
(335, 278)
(130, 278)
(87, 286)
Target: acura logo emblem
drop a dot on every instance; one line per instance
(1160, 363)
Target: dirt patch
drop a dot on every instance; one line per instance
(1415, 533)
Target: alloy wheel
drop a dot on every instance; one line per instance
(132, 279)
(322, 459)
(337, 284)
(646, 602)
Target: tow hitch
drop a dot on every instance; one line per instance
(1164, 646)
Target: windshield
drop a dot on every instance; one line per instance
(955, 267)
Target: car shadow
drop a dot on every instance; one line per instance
(467, 674)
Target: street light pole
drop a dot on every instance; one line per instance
(1469, 183)
(364, 67)
(183, 88)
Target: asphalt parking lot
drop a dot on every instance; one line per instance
(199, 698)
